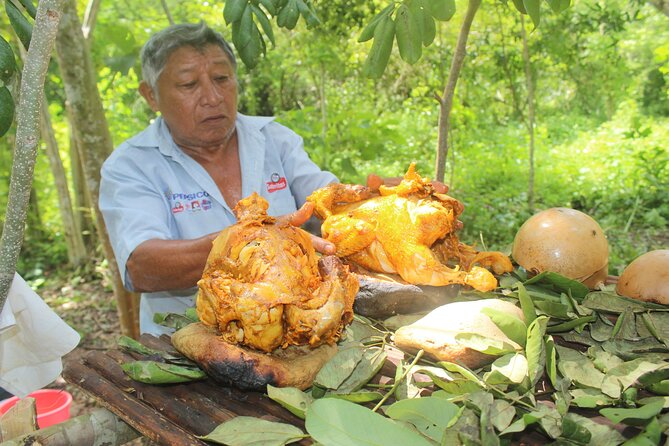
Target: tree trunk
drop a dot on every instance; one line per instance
(100, 427)
(93, 141)
(163, 3)
(76, 250)
(27, 139)
(446, 101)
(34, 216)
(90, 18)
(661, 5)
(83, 208)
(530, 114)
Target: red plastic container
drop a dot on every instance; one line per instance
(53, 406)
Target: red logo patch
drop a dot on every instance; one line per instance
(273, 186)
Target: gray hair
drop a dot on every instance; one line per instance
(158, 48)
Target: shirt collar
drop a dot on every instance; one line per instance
(158, 135)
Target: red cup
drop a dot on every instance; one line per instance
(53, 406)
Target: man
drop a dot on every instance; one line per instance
(167, 192)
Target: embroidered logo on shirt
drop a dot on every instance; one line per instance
(276, 183)
(189, 202)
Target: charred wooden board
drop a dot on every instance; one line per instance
(172, 415)
(384, 295)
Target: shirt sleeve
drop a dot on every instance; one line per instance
(303, 175)
(134, 209)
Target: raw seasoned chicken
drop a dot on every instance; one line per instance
(408, 229)
(264, 286)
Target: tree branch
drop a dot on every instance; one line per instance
(27, 139)
(446, 102)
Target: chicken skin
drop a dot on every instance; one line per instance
(408, 229)
(264, 286)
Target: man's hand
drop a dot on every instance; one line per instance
(300, 217)
(374, 182)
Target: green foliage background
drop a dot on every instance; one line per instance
(601, 76)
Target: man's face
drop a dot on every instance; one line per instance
(197, 96)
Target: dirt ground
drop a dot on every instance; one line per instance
(90, 309)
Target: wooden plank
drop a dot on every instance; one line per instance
(160, 397)
(19, 420)
(138, 415)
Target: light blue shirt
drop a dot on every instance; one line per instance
(150, 189)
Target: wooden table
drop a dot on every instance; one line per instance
(176, 414)
(172, 415)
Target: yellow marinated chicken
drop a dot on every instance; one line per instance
(408, 229)
(264, 286)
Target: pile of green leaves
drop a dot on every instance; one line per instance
(589, 362)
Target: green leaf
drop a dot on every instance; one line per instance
(408, 35)
(574, 324)
(22, 27)
(559, 282)
(559, 5)
(172, 320)
(520, 6)
(293, 399)
(29, 7)
(502, 414)
(535, 349)
(356, 397)
(590, 398)
(308, 13)
(657, 324)
(251, 431)
(6, 110)
(340, 366)
(636, 416)
(651, 435)
(247, 39)
(551, 360)
(7, 61)
(441, 9)
(600, 432)
(426, 23)
(578, 368)
(379, 54)
(242, 30)
(514, 328)
(371, 362)
(659, 374)
(288, 15)
(526, 304)
(554, 310)
(509, 369)
(335, 421)
(264, 22)
(153, 372)
(575, 431)
(462, 370)
(430, 415)
(368, 31)
(269, 6)
(626, 374)
(607, 302)
(455, 387)
(233, 10)
(533, 8)
(489, 346)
